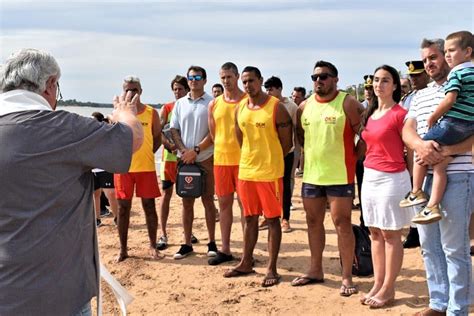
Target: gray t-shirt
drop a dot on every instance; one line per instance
(48, 244)
(190, 117)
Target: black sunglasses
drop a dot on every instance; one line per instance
(132, 90)
(321, 77)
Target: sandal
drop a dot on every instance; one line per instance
(271, 280)
(305, 280)
(376, 303)
(348, 290)
(232, 273)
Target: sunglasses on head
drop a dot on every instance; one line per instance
(195, 77)
(322, 76)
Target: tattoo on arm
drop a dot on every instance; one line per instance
(177, 139)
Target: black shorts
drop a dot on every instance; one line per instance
(309, 190)
(165, 184)
(103, 180)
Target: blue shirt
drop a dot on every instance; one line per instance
(190, 117)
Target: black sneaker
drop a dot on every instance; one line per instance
(162, 244)
(194, 240)
(183, 252)
(220, 258)
(105, 213)
(98, 222)
(211, 249)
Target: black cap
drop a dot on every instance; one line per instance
(415, 67)
(368, 81)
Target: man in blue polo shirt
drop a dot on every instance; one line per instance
(190, 132)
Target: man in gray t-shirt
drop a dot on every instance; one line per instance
(190, 132)
(48, 242)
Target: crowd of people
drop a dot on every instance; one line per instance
(412, 134)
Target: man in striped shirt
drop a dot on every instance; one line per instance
(445, 244)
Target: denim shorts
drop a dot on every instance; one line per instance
(309, 190)
(450, 131)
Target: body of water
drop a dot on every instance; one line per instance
(88, 110)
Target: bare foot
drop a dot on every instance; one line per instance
(121, 257)
(156, 254)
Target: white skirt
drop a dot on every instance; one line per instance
(381, 195)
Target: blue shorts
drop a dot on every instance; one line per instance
(450, 131)
(309, 190)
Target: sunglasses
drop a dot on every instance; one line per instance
(132, 90)
(195, 78)
(321, 77)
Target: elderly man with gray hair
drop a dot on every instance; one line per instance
(48, 242)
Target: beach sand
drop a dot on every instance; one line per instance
(191, 286)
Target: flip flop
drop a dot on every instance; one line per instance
(305, 280)
(232, 273)
(348, 290)
(375, 303)
(271, 280)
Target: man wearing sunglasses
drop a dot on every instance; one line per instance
(48, 243)
(190, 132)
(327, 124)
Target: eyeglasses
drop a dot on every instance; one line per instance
(196, 78)
(321, 77)
(59, 95)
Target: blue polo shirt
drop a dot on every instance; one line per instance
(190, 117)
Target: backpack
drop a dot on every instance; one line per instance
(189, 180)
(362, 265)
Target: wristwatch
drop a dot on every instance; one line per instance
(197, 149)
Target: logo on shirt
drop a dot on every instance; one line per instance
(305, 122)
(330, 120)
(260, 125)
(144, 124)
(188, 179)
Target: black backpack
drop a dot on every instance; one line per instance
(362, 265)
(189, 180)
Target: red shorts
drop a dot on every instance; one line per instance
(261, 197)
(170, 171)
(226, 179)
(146, 185)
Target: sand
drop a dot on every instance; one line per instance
(191, 286)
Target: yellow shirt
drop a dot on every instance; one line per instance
(261, 157)
(226, 146)
(329, 154)
(144, 158)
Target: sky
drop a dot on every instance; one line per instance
(98, 43)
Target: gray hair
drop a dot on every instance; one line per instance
(28, 69)
(132, 79)
(438, 42)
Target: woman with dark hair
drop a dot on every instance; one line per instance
(386, 179)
